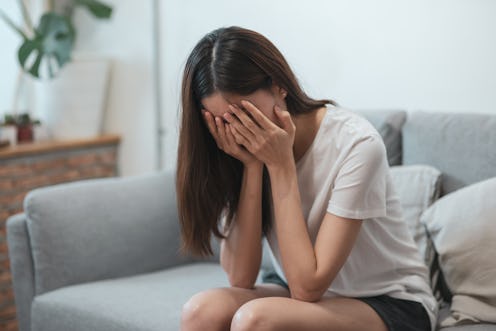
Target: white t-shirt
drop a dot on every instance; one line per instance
(345, 172)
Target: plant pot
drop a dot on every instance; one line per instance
(73, 103)
(9, 132)
(24, 133)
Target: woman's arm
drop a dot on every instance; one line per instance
(241, 251)
(309, 270)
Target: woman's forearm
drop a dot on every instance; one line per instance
(297, 253)
(241, 251)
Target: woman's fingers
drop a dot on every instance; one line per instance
(245, 120)
(210, 123)
(238, 138)
(226, 135)
(213, 128)
(221, 130)
(232, 137)
(259, 117)
(240, 127)
(229, 134)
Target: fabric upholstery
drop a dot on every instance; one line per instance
(417, 186)
(102, 228)
(388, 123)
(149, 302)
(461, 227)
(444, 312)
(21, 265)
(146, 302)
(461, 146)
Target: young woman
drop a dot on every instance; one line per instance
(258, 158)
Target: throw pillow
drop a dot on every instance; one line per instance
(417, 186)
(462, 228)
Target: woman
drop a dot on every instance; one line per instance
(258, 158)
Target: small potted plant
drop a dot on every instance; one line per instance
(19, 128)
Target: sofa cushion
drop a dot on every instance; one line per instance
(461, 226)
(475, 327)
(417, 186)
(461, 146)
(388, 123)
(445, 312)
(151, 301)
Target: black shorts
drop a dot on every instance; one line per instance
(397, 314)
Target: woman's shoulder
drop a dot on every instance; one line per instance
(349, 125)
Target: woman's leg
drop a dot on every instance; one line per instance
(213, 309)
(328, 314)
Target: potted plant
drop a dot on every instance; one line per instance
(48, 47)
(24, 124)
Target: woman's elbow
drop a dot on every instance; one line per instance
(307, 295)
(242, 282)
(245, 285)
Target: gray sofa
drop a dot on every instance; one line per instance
(102, 254)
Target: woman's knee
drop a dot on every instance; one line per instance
(253, 315)
(208, 310)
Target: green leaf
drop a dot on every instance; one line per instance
(12, 24)
(97, 8)
(54, 37)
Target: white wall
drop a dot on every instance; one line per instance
(9, 41)
(126, 39)
(435, 55)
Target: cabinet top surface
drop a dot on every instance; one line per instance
(42, 147)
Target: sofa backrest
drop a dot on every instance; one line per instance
(461, 145)
(118, 227)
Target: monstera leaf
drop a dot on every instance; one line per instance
(53, 40)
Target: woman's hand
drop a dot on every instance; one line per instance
(223, 135)
(269, 143)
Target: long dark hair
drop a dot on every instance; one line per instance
(208, 181)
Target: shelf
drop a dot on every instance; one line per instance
(33, 148)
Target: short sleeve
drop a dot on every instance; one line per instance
(359, 190)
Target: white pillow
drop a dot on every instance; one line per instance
(462, 226)
(417, 186)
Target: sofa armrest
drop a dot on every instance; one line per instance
(102, 228)
(21, 267)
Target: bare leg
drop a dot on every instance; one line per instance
(328, 314)
(213, 309)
